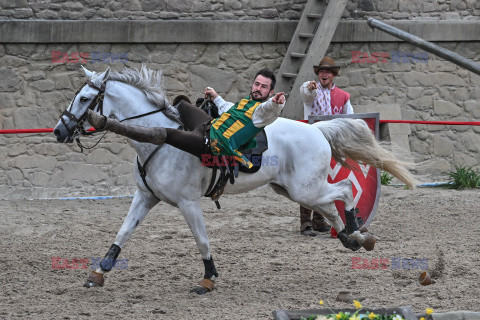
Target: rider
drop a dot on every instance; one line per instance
(221, 136)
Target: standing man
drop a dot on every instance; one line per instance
(321, 98)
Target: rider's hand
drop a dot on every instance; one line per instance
(210, 93)
(312, 85)
(279, 98)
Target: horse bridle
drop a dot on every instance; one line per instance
(97, 101)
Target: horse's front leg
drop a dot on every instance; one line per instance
(141, 205)
(192, 212)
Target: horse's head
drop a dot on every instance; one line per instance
(89, 96)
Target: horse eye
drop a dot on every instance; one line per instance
(83, 99)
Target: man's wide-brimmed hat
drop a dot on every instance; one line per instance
(327, 63)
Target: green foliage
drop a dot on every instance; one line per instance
(356, 316)
(385, 178)
(464, 177)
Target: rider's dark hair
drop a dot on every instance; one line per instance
(267, 73)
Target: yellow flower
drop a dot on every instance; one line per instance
(429, 311)
(357, 304)
(372, 316)
(338, 316)
(320, 302)
(422, 318)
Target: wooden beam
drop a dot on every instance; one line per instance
(319, 46)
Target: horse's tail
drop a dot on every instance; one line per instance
(353, 139)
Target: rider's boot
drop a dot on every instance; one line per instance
(156, 135)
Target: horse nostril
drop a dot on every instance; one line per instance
(56, 132)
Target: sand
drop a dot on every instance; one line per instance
(264, 263)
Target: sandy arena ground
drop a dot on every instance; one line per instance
(263, 261)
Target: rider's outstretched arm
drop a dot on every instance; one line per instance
(267, 112)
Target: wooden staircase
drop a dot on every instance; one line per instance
(309, 44)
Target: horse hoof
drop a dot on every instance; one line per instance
(348, 242)
(200, 290)
(369, 243)
(94, 279)
(204, 286)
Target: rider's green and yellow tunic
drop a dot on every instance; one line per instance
(233, 130)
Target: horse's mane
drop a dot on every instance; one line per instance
(151, 83)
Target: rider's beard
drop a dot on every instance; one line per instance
(261, 99)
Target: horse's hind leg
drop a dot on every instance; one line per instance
(141, 205)
(342, 191)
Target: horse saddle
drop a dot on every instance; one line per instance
(229, 171)
(254, 153)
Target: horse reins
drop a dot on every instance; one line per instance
(97, 100)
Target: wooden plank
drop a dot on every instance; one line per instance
(220, 31)
(299, 45)
(323, 36)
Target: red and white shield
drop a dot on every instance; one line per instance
(365, 179)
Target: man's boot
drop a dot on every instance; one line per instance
(156, 135)
(306, 222)
(319, 223)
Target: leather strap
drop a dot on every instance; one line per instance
(141, 115)
(212, 182)
(143, 169)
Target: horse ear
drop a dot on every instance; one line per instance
(106, 74)
(88, 73)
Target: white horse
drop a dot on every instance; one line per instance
(178, 178)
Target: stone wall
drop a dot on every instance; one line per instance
(231, 9)
(34, 90)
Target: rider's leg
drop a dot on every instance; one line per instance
(138, 133)
(192, 117)
(189, 141)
